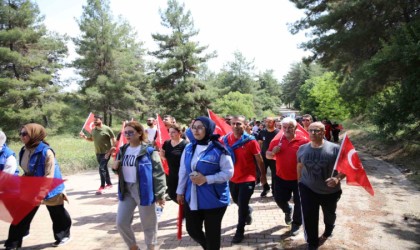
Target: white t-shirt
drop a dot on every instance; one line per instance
(151, 133)
(128, 164)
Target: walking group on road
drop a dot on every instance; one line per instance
(207, 172)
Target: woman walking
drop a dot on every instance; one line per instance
(203, 189)
(38, 159)
(172, 150)
(139, 161)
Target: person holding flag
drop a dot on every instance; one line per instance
(104, 140)
(38, 159)
(284, 149)
(319, 184)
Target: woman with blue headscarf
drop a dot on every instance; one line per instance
(203, 188)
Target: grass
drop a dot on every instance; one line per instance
(73, 153)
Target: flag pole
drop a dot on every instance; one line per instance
(85, 122)
(339, 152)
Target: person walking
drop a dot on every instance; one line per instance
(37, 159)
(104, 140)
(171, 151)
(319, 184)
(284, 150)
(246, 152)
(203, 189)
(264, 138)
(8, 162)
(141, 184)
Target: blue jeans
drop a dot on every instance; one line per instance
(103, 169)
(241, 194)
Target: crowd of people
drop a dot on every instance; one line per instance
(207, 172)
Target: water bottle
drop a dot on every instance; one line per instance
(159, 211)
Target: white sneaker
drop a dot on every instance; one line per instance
(63, 241)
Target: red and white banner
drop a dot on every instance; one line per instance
(162, 136)
(222, 128)
(89, 125)
(20, 194)
(348, 163)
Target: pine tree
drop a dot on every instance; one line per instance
(111, 64)
(180, 92)
(29, 60)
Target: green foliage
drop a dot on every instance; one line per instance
(29, 59)
(235, 103)
(111, 64)
(294, 79)
(375, 47)
(320, 97)
(180, 92)
(73, 154)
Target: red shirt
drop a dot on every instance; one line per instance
(286, 158)
(244, 168)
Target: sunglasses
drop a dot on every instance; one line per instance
(129, 133)
(23, 133)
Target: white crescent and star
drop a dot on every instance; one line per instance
(349, 159)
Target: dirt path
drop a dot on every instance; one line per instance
(389, 220)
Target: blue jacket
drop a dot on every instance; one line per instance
(208, 195)
(150, 175)
(36, 167)
(6, 152)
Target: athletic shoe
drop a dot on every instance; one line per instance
(100, 190)
(61, 242)
(294, 230)
(238, 238)
(108, 186)
(288, 218)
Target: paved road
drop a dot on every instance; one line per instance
(390, 220)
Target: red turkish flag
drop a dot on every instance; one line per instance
(222, 128)
(121, 141)
(162, 136)
(348, 163)
(20, 194)
(89, 125)
(300, 131)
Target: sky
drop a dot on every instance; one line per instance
(257, 29)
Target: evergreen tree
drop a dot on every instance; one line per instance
(180, 92)
(238, 75)
(111, 64)
(374, 45)
(29, 60)
(269, 93)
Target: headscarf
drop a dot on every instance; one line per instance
(209, 126)
(209, 137)
(36, 134)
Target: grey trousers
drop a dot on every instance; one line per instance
(125, 216)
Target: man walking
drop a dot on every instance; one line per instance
(104, 140)
(317, 187)
(151, 130)
(245, 151)
(284, 150)
(264, 138)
